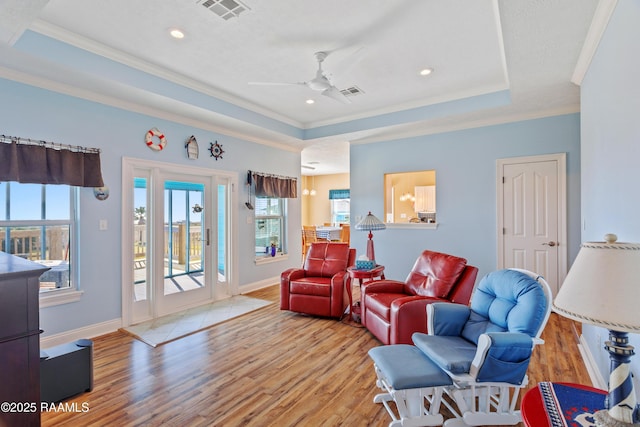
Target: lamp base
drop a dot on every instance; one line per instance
(603, 419)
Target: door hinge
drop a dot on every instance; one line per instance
(503, 180)
(504, 230)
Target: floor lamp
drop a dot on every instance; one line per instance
(369, 223)
(603, 289)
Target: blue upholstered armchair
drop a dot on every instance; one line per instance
(483, 349)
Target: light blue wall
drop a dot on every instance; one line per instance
(465, 165)
(610, 97)
(34, 113)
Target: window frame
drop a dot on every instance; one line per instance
(281, 252)
(72, 292)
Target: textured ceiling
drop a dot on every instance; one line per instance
(478, 49)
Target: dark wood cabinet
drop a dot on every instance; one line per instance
(19, 341)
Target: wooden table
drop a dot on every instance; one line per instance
(361, 274)
(532, 408)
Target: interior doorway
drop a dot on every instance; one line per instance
(532, 229)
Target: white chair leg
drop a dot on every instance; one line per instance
(485, 404)
(415, 407)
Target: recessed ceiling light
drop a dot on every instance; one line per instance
(176, 33)
(310, 101)
(426, 71)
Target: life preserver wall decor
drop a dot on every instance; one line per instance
(154, 132)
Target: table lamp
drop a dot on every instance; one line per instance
(603, 289)
(369, 223)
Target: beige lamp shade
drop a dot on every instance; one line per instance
(603, 286)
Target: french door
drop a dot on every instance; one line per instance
(179, 240)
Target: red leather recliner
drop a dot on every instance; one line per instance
(320, 286)
(393, 310)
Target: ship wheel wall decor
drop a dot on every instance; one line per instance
(216, 150)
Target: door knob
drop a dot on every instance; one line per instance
(551, 243)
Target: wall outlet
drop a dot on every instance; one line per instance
(103, 225)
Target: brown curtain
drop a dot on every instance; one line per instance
(275, 186)
(50, 164)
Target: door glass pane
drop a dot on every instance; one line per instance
(222, 232)
(196, 234)
(184, 236)
(140, 248)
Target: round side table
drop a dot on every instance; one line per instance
(361, 275)
(533, 409)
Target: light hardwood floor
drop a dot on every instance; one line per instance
(266, 368)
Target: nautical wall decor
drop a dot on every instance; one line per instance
(192, 148)
(101, 193)
(216, 150)
(151, 143)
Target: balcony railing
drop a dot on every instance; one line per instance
(47, 245)
(182, 248)
(27, 242)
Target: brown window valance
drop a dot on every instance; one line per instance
(275, 186)
(40, 162)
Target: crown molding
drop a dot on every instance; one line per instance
(76, 40)
(601, 18)
(469, 124)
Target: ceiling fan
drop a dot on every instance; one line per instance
(322, 82)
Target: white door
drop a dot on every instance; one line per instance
(178, 238)
(183, 242)
(531, 212)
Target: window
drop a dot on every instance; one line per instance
(37, 222)
(410, 198)
(340, 206)
(270, 220)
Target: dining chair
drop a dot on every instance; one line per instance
(309, 236)
(345, 233)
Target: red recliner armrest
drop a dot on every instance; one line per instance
(409, 315)
(285, 278)
(339, 282)
(382, 286)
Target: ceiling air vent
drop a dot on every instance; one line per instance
(226, 9)
(352, 91)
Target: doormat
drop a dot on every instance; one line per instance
(178, 325)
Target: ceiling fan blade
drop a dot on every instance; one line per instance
(348, 62)
(334, 93)
(274, 84)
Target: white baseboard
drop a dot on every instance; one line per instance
(84, 332)
(259, 285)
(109, 326)
(597, 380)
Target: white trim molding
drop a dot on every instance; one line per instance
(601, 18)
(597, 380)
(87, 332)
